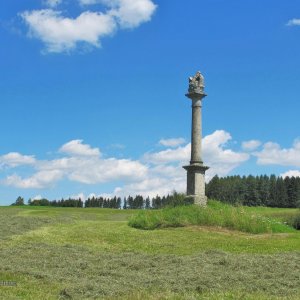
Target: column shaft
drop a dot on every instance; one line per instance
(196, 149)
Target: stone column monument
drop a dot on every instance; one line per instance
(196, 169)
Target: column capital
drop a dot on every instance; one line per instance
(196, 96)
(195, 168)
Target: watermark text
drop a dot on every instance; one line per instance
(7, 283)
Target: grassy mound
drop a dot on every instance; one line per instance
(215, 214)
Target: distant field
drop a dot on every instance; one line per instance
(71, 253)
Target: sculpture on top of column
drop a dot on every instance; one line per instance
(196, 83)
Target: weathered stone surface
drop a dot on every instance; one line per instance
(196, 83)
(196, 183)
(196, 169)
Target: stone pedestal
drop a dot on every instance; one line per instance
(196, 169)
(196, 183)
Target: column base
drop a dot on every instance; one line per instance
(196, 183)
(198, 200)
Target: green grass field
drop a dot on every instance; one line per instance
(215, 214)
(69, 253)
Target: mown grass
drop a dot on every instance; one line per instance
(69, 253)
(81, 274)
(216, 214)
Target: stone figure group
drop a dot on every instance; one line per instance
(196, 83)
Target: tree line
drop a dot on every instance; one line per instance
(249, 190)
(261, 190)
(57, 203)
(137, 202)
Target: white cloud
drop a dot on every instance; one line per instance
(128, 13)
(152, 187)
(273, 154)
(161, 180)
(293, 22)
(166, 173)
(52, 3)
(220, 160)
(93, 170)
(39, 180)
(291, 173)
(181, 153)
(131, 13)
(168, 170)
(37, 197)
(78, 196)
(213, 151)
(62, 34)
(172, 142)
(15, 159)
(76, 147)
(157, 173)
(251, 145)
(83, 165)
(99, 171)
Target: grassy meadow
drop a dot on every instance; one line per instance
(73, 253)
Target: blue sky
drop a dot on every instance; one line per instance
(92, 93)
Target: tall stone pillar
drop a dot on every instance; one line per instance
(196, 169)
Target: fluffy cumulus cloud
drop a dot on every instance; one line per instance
(172, 142)
(15, 159)
(131, 13)
(215, 153)
(293, 22)
(291, 173)
(273, 154)
(152, 187)
(40, 180)
(63, 34)
(128, 13)
(181, 153)
(82, 164)
(155, 173)
(60, 33)
(166, 174)
(161, 179)
(95, 171)
(220, 159)
(251, 145)
(76, 147)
